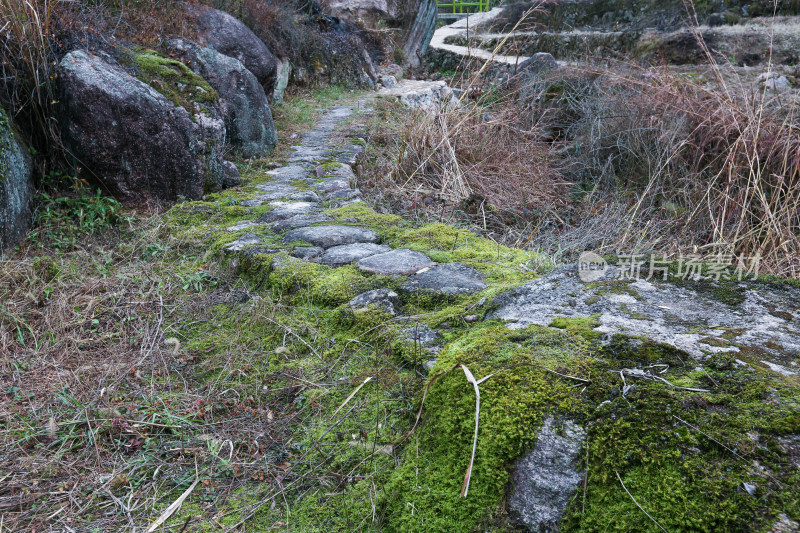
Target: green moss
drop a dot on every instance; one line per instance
(715, 341)
(423, 492)
(583, 326)
(174, 80)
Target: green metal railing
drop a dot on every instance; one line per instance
(466, 6)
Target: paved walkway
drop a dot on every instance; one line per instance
(465, 27)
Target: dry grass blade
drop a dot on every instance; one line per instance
(637, 503)
(350, 397)
(169, 511)
(468, 475)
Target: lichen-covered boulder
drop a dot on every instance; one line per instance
(138, 143)
(242, 101)
(16, 189)
(231, 37)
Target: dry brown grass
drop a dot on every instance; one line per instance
(470, 160)
(653, 161)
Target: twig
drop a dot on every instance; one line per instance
(638, 373)
(637, 503)
(289, 330)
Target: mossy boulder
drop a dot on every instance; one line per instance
(16, 185)
(133, 139)
(229, 36)
(242, 101)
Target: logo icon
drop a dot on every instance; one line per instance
(591, 267)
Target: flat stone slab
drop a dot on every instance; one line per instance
(329, 236)
(244, 241)
(254, 202)
(290, 173)
(403, 262)
(344, 194)
(288, 209)
(308, 154)
(243, 224)
(305, 196)
(277, 188)
(309, 253)
(449, 278)
(350, 253)
(300, 221)
(382, 298)
(330, 185)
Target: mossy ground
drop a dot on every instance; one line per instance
(296, 413)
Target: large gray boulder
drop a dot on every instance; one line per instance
(16, 188)
(131, 138)
(242, 101)
(231, 37)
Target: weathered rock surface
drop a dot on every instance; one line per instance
(544, 480)
(134, 140)
(382, 298)
(344, 194)
(537, 63)
(231, 37)
(304, 196)
(287, 210)
(350, 253)
(450, 278)
(420, 94)
(284, 71)
(401, 262)
(299, 221)
(243, 103)
(16, 186)
(329, 236)
(309, 253)
(699, 318)
(424, 336)
(230, 173)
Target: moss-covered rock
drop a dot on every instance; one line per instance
(131, 138)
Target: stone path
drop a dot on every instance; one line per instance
(318, 175)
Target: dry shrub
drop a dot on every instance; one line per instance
(716, 167)
(472, 158)
(26, 64)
